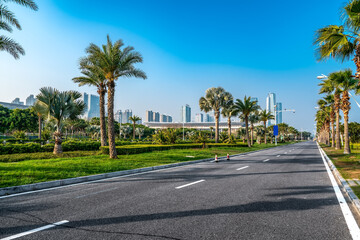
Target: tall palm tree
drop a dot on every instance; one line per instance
(113, 62)
(134, 119)
(95, 77)
(41, 111)
(331, 86)
(253, 119)
(7, 21)
(265, 116)
(60, 106)
(346, 84)
(246, 107)
(324, 108)
(228, 112)
(330, 102)
(342, 42)
(215, 99)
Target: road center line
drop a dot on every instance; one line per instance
(35, 230)
(242, 168)
(266, 160)
(190, 184)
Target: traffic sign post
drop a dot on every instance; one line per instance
(276, 133)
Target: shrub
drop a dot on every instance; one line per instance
(20, 148)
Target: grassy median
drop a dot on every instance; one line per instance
(89, 163)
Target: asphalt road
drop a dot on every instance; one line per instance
(279, 193)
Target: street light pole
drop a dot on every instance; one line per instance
(275, 123)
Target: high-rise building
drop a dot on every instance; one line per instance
(17, 101)
(209, 118)
(170, 119)
(186, 113)
(156, 116)
(92, 108)
(163, 118)
(199, 118)
(149, 116)
(118, 116)
(279, 113)
(126, 115)
(270, 106)
(30, 100)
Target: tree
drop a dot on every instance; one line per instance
(265, 116)
(94, 77)
(330, 86)
(253, 119)
(60, 105)
(347, 83)
(7, 21)
(4, 119)
(246, 107)
(140, 132)
(215, 99)
(331, 103)
(228, 112)
(40, 110)
(23, 120)
(134, 119)
(113, 62)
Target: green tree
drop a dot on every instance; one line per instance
(7, 21)
(40, 110)
(253, 119)
(215, 99)
(93, 76)
(60, 106)
(265, 116)
(134, 119)
(245, 108)
(23, 120)
(228, 112)
(4, 119)
(113, 62)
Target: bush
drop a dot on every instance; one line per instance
(80, 145)
(20, 148)
(43, 155)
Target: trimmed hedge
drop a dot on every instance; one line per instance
(134, 149)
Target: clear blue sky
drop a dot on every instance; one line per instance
(248, 47)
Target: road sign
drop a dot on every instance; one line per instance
(276, 130)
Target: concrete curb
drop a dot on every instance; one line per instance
(344, 185)
(70, 181)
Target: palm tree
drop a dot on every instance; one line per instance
(60, 106)
(246, 107)
(140, 132)
(113, 62)
(228, 112)
(330, 86)
(346, 83)
(265, 116)
(253, 119)
(134, 119)
(94, 77)
(7, 20)
(215, 99)
(211, 129)
(330, 101)
(40, 110)
(323, 115)
(342, 42)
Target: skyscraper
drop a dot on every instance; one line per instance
(30, 100)
(199, 118)
(170, 119)
(149, 116)
(126, 115)
(270, 106)
(92, 108)
(279, 113)
(156, 116)
(17, 101)
(118, 116)
(163, 118)
(186, 113)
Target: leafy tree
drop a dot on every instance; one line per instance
(113, 62)
(4, 119)
(40, 110)
(354, 132)
(215, 99)
(23, 120)
(140, 132)
(61, 106)
(7, 21)
(245, 108)
(134, 119)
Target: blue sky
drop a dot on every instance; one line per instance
(248, 47)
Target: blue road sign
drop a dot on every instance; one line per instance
(276, 130)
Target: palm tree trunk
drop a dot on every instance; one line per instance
(337, 137)
(217, 115)
(332, 134)
(357, 61)
(102, 117)
(346, 108)
(39, 126)
(58, 148)
(229, 126)
(252, 134)
(265, 132)
(134, 130)
(111, 128)
(247, 131)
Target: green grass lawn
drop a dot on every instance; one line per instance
(78, 164)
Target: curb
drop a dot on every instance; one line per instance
(69, 181)
(344, 185)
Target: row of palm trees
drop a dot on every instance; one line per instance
(341, 42)
(221, 102)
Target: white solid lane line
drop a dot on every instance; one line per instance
(278, 156)
(349, 218)
(285, 152)
(266, 160)
(242, 168)
(35, 230)
(190, 184)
